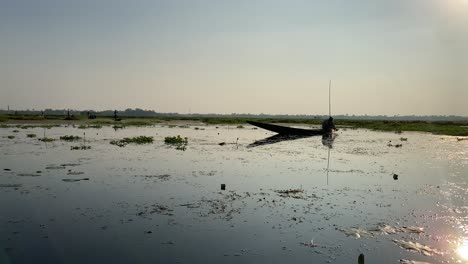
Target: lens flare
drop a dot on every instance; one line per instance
(463, 250)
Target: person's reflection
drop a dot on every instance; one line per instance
(327, 140)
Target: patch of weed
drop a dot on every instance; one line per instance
(46, 139)
(135, 140)
(70, 138)
(179, 142)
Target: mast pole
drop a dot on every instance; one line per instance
(329, 98)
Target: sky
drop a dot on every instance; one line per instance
(393, 57)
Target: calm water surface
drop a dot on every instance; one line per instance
(155, 204)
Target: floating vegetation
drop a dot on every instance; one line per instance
(240, 126)
(356, 232)
(415, 246)
(48, 126)
(15, 131)
(96, 126)
(80, 147)
(11, 137)
(135, 140)
(294, 193)
(179, 142)
(75, 180)
(46, 139)
(155, 208)
(118, 127)
(28, 175)
(70, 138)
(10, 185)
(31, 135)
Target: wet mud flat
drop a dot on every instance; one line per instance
(231, 195)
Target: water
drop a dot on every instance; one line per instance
(155, 204)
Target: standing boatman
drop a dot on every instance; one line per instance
(328, 126)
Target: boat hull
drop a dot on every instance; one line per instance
(283, 130)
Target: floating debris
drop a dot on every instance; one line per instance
(417, 247)
(395, 176)
(223, 186)
(75, 180)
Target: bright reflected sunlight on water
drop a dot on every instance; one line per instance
(463, 249)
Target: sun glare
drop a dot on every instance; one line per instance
(463, 250)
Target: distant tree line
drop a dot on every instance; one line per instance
(137, 112)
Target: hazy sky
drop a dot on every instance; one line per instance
(212, 56)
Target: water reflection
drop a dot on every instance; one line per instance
(463, 249)
(328, 139)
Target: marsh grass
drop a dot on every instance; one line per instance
(134, 140)
(452, 128)
(179, 142)
(70, 138)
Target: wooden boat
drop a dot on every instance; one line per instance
(284, 130)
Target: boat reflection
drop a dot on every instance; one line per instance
(275, 139)
(327, 140)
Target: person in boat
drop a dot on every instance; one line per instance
(328, 126)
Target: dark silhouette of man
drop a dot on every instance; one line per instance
(328, 126)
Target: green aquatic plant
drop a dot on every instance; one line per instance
(240, 126)
(46, 139)
(179, 142)
(31, 135)
(11, 137)
(70, 138)
(134, 140)
(15, 131)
